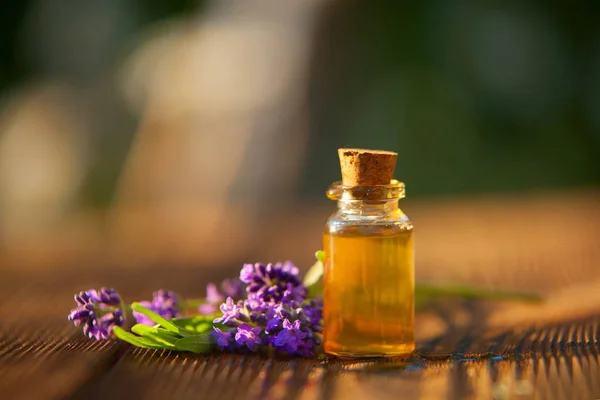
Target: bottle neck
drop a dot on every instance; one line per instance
(368, 207)
(372, 201)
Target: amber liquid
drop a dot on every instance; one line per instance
(369, 293)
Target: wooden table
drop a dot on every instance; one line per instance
(466, 349)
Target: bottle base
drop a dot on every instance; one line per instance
(370, 351)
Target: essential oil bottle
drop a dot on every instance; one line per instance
(369, 261)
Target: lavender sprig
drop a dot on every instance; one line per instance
(276, 313)
(293, 335)
(164, 302)
(97, 312)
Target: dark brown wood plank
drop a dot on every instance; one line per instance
(550, 358)
(37, 343)
(48, 364)
(470, 350)
(555, 366)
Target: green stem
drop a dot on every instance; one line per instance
(185, 305)
(193, 303)
(474, 293)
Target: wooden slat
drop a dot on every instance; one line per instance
(49, 363)
(466, 350)
(555, 364)
(553, 360)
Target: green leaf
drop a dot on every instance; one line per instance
(198, 324)
(142, 330)
(158, 335)
(136, 340)
(320, 255)
(316, 290)
(157, 319)
(313, 280)
(195, 344)
(314, 274)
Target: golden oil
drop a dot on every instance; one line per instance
(369, 292)
(369, 261)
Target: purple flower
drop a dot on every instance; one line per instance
(230, 311)
(98, 312)
(248, 336)
(232, 288)
(82, 314)
(275, 312)
(273, 283)
(212, 294)
(290, 326)
(247, 273)
(274, 324)
(104, 297)
(306, 348)
(164, 302)
(213, 298)
(314, 311)
(224, 339)
(141, 318)
(290, 338)
(207, 309)
(101, 328)
(293, 293)
(109, 297)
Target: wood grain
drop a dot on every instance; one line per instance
(466, 349)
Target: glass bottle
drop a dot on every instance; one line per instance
(369, 273)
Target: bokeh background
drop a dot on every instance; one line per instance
(201, 134)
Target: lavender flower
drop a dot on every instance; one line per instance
(164, 303)
(101, 329)
(273, 324)
(314, 311)
(232, 288)
(286, 327)
(108, 296)
(224, 339)
(207, 309)
(98, 312)
(230, 311)
(290, 337)
(248, 336)
(141, 318)
(275, 312)
(213, 298)
(273, 283)
(229, 288)
(212, 294)
(104, 297)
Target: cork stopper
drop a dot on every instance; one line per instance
(361, 167)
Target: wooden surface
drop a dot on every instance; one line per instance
(466, 349)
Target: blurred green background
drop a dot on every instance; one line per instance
(500, 96)
(476, 96)
(115, 113)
